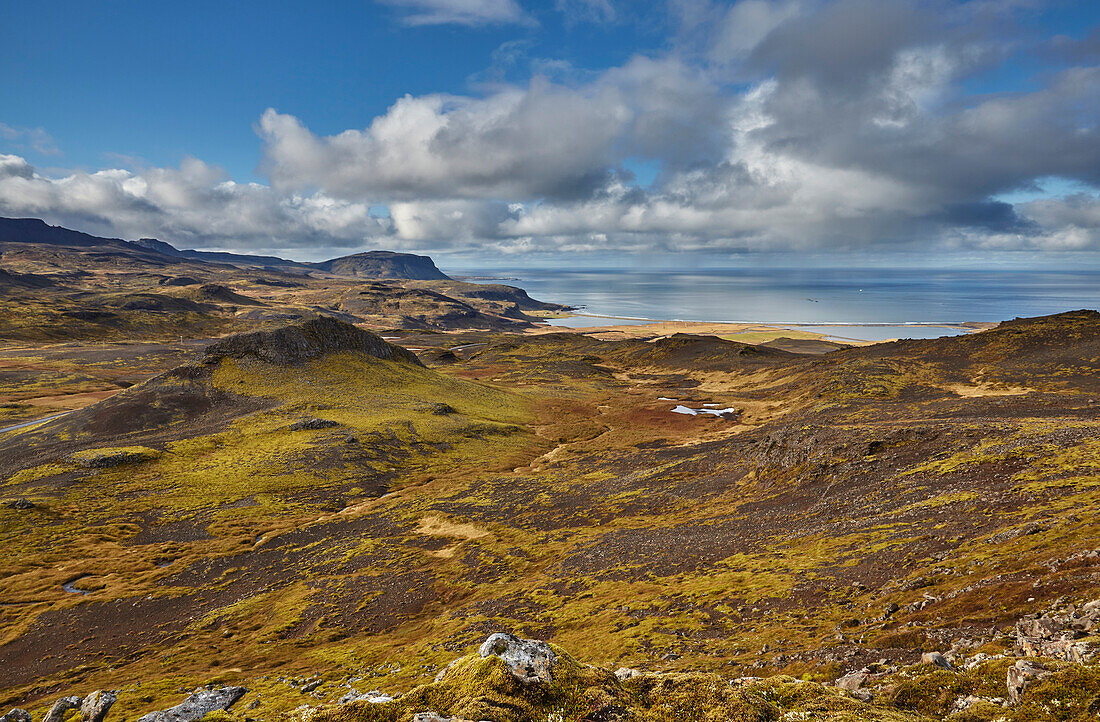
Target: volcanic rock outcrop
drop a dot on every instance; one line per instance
(302, 342)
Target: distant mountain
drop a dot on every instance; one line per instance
(33, 230)
(372, 264)
(233, 259)
(384, 264)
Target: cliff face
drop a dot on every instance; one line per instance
(384, 264)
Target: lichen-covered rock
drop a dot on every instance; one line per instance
(852, 681)
(60, 707)
(198, 705)
(626, 673)
(529, 660)
(16, 715)
(935, 658)
(96, 705)
(1067, 632)
(1022, 674)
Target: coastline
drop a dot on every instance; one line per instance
(621, 327)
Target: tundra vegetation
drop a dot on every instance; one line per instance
(900, 531)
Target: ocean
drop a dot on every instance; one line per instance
(889, 298)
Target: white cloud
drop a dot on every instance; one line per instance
(194, 205)
(819, 125)
(459, 12)
(35, 139)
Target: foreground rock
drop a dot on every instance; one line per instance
(60, 707)
(198, 705)
(96, 705)
(16, 715)
(529, 660)
(511, 679)
(1020, 676)
(1065, 632)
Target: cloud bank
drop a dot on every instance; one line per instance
(793, 124)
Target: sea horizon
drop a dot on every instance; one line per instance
(875, 297)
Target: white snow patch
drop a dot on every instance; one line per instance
(721, 413)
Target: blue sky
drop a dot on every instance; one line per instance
(560, 127)
(158, 81)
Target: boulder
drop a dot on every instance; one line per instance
(21, 504)
(198, 705)
(377, 697)
(96, 705)
(530, 661)
(935, 658)
(1020, 676)
(16, 715)
(852, 681)
(374, 697)
(627, 673)
(60, 707)
(312, 425)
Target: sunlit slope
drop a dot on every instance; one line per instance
(214, 458)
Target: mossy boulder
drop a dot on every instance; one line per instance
(108, 457)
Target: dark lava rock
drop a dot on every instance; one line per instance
(440, 409)
(302, 342)
(21, 504)
(198, 705)
(312, 424)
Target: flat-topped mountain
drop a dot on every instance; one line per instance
(383, 264)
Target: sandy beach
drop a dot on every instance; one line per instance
(792, 336)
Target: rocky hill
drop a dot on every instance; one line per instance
(383, 264)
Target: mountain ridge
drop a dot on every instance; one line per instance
(378, 264)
